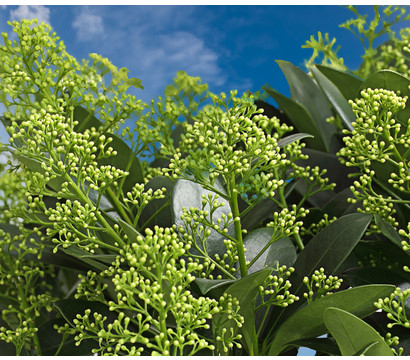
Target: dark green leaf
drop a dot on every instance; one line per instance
(281, 252)
(245, 290)
(308, 321)
(347, 84)
(336, 98)
(131, 233)
(259, 213)
(372, 275)
(389, 231)
(85, 257)
(300, 117)
(353, 335)
(69, 308)
(292, 138)
(323, 345)
(305, 92)
(329, 248)
(254, 243)
(338, 205)
(206, 285)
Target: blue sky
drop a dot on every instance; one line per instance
(229, 47)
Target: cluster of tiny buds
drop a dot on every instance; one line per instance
(140, 197)
(320, 284)
(284, 223)
(275, 290)
(405, 243)
(395, 307)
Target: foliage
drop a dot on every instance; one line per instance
(211, 227)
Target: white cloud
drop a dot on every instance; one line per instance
(154, 43)
(88, 25)
(39, 12)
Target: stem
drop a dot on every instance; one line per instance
(117, 205)
(392, 194)
(263, 321)
(100, 218)
(37, 346)
(299, 242)
(237, 223)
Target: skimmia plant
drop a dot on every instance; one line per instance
(211, 226)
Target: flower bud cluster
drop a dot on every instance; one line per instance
(378, 138)
(285, 222)
(23, 284)
(224, 140)
(200, 227)
(320, 285)
(164, 119)
(394, 56)
(275, 290)
(226, 322)
(315, 228)
(393, 341)
(139, 198)
(395, 307)
(151, 278)
(73, 224)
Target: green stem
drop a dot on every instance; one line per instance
(36, 341)
(391, 193)
(263, 321)
(299, 241)
(237, 223)
(100, 218)
(118, 206)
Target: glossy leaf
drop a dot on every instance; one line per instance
(308, 321)
(300, 117)
(206, 285)
(305, 92)
(86, 257)
(292, 138)
(254, 243)
(131, 233)
(188, 194)
(390, 232)
(347, 84)
(245, 290)
(353, 335)
(281, 252)
(323, 345)
(329, 248)
(69, 308)
(336, 98)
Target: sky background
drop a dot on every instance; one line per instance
(229, 47)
